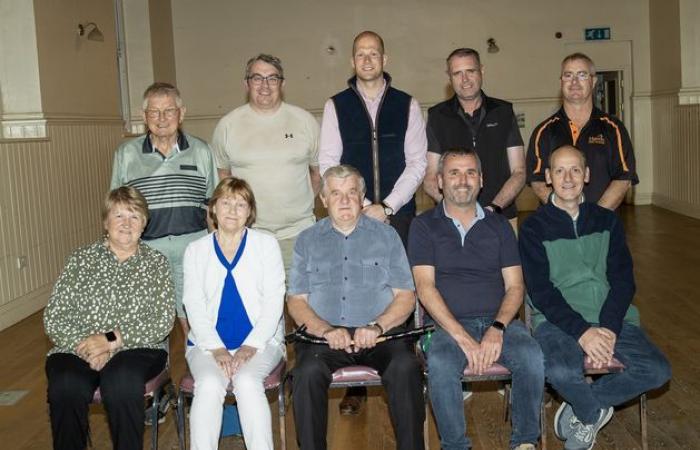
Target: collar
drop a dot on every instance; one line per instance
(480, 213)
(486, 103)
(552, 205)
(182, 144)
(352, 83)
(326, 225)
(595, 113)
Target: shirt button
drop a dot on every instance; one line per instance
(342, 318)
(343, 298)
(346, 278)
(346, 258)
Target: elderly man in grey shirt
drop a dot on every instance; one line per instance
(350, 282)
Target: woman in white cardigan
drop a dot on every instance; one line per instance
(234, 296)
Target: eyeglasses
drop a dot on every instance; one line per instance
(580, 76)
(167, 113)
(257, 79)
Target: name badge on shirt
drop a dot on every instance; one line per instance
(188, 167)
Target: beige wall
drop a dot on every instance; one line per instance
(665, 50)
(675, 124)
(51, 188)
(162, 44)
(213, 43)
(78, 77)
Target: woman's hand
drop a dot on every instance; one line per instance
(224, 360)
(242, 356)
(99, 361)
(93, 346)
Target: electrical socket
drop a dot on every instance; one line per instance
(22, 262)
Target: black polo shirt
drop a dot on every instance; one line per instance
(490, 131)
(467, 276)
(604, 140)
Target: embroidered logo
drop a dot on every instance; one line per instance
(288, 136)
(599, 140)
(491, 125)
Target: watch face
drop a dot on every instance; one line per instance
(387, 211)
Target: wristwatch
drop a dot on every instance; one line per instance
(499, 325)
(497, 209)
(374, 323)
(388, 210)
(111, 337)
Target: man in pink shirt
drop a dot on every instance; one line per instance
(380, 131)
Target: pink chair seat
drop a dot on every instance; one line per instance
(614, 367)
(356, 374)
(271, 381)
(151, 385)
(496, 370)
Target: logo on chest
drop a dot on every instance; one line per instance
(596, 140)
(288, 136)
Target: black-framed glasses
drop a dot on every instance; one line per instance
(272, 80)
(167, 113)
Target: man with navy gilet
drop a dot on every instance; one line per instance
(380, 131)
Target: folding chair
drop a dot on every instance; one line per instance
(275, 380)
(154, 388)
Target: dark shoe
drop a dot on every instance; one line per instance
(351, 404)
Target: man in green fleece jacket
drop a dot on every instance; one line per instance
(579, 277)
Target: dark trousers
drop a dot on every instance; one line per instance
(401, 375)
(72, 384)
(401, 224)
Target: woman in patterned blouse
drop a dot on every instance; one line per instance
(234, 295)
(108, 317)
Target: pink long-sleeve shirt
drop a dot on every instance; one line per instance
(415, 147)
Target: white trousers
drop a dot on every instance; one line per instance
(210, 385)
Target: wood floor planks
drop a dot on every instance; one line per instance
(666, 251)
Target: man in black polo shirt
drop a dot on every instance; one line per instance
(601, 137)
(488, 125)
(467, 271)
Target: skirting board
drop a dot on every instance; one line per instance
(23, 307)
(677, 206)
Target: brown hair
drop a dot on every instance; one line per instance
(232, 186)
(127, 196)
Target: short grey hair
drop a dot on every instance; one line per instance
(343, 171)
(160, 88)
(459, 151)
(272, 60)
(579, 57)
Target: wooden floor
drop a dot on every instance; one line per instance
(666, 250)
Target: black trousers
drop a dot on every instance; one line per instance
(72, 383)
(401, 375)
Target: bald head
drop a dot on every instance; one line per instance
(568, 174)
(368, 34)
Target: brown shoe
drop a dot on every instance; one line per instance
(351, 404)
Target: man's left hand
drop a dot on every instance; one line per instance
(375, 212)
(491, 345)
(365, 337)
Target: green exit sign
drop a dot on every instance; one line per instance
(597, 34)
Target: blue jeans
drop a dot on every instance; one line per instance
(645, 368)
(446, 364)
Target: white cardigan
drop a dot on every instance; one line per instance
(259, 276)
